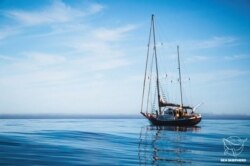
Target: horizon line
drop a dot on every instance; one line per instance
(109, 116)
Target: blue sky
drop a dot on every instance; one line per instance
(88, 57)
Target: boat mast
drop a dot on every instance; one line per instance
(179, 68)
(156, 66)
(146, 68)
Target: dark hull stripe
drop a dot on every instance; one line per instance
(186, 122)
(180, 122)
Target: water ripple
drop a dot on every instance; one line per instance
(113, 142)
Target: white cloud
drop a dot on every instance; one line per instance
(29, 62)
(95, 8)
(196, 58)
(36, 78)
(214, 42)
(211, 78)
(236, 57)
(57, 16)
(7, 58)
(91, 63)
(109, 64)
(58, 12)
(98, 55)
(101, 48)
(69, 65)
(44, 59)
(114, 34)
(95, 48)
(8, 31)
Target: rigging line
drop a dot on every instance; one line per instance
(161, 31)
(156, 66)
(162, 43)
(149, 39)
(163, 94)
(188, 88)
(190, 91)
(179, 68)
(166, 85)
(153, 105)
(149, 87)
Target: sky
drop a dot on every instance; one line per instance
(88, 57)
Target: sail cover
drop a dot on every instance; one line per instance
(165, 104)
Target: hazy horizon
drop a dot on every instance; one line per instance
(112, 116)
(88, 57)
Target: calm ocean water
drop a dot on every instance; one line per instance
(117, 142)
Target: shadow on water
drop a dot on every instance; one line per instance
(163, 145)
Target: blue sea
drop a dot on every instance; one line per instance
(60, 142)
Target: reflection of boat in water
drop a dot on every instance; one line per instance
(175, 128)
(162, 111)
(164, 145)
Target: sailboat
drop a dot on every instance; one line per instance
(165, 113)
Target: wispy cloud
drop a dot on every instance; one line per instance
(100, 62)
(206, 58)
(237, 57)
(58, 12)
(7, 58)
(193, 51)
(41, 78)
(36, 69)
(44, 59)
(98, 50)
(34, 60)
(107, 34)
(109, 64)
(211, 78)
(101, 48)
(6, 32)
(60, 17)
(196, 58)
(214, 42)
(95, 8)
